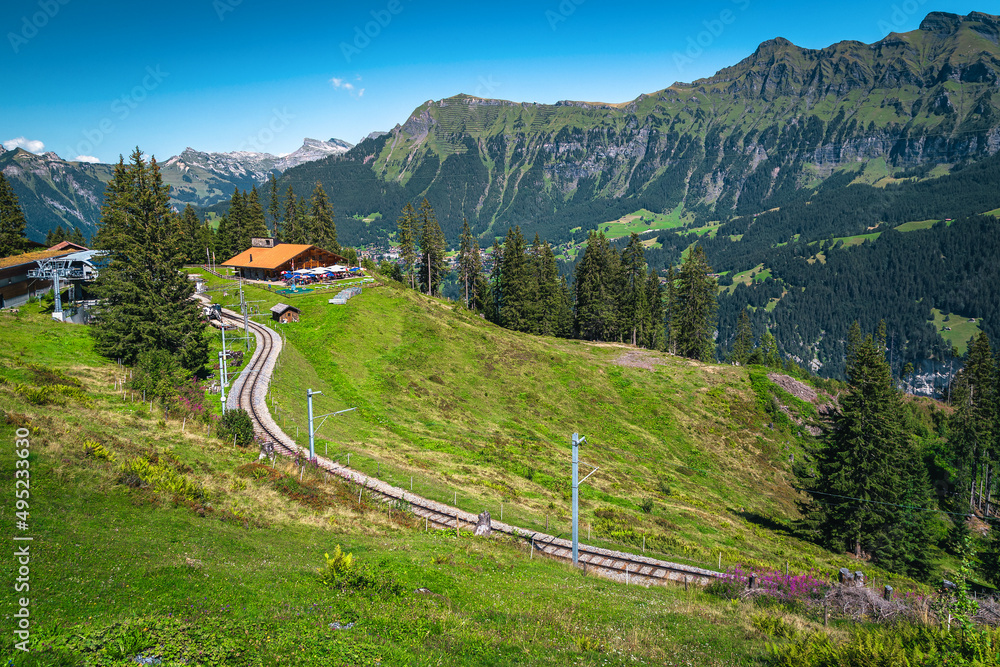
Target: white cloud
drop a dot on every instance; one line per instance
(342, 84)
(31, 145)
(85, 158)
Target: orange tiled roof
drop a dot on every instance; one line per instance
(268, 258)
(271, 258)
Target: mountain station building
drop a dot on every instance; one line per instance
(265, 259)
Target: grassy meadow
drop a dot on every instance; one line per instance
(154, 538)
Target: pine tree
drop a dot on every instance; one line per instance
(635, 310)
(595, 298)
(324, 231)
(694, 307)
(513, 284)
(256, 225)
(145, 300)
(405, 234)
(870, 478)
(76, 236)
(274, 206)
(290, 228)
(972, 432)
(191, 236)
(470, 264)
(432, 247)
(656, 336)
(769, 350)
(12, 222)
(743, 345)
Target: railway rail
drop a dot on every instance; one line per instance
(249, 392)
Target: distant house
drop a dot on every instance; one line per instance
(282, 312)
(267, 263)
(68, 246)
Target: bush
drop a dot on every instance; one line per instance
(391, 270)
(337, 566)
(341, 571)
(158, 374)
(236, 424)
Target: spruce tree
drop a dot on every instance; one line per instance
(256, 224)
(553, 304)
(595, 299)
(145, 302)
(513, 283)
(191, 236)
(324, 231)
(743, 345)
(973, 426)
(290, 229)
(635, 302)
(12, 222)
(405, 234)
(432, 248)
(656, 335)
(76, 236)
(769, 350)
(274, 206)
(870, 481)
(694, 307)
(238, 236)
(469, 264)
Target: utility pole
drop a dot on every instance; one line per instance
(577, 441)
(312, 441)
(222, 382)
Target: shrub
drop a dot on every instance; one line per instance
(236, 424)
(158, 373)
(337, 565)
(341, 571)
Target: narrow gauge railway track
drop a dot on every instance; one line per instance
(249, 391)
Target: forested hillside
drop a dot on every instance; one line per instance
(758, 135)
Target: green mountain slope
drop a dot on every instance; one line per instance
(748, 139)
(694, 458)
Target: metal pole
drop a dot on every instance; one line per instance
(55, 289)
(576, 498)
(312, 441)
(222, 386)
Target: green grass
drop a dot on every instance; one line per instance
(644, 221)
(463, 407)
(228, 576)
(231, 580)
(915, 225)
(961, 329)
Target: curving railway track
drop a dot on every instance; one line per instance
(249, 391)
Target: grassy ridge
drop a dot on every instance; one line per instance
(118, 571)
(692, 462)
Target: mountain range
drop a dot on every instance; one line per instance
(754, 136)
(53, 191)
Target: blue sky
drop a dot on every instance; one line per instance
(222, 75)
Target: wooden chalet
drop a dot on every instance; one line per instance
(267, 263)
(284, 313)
